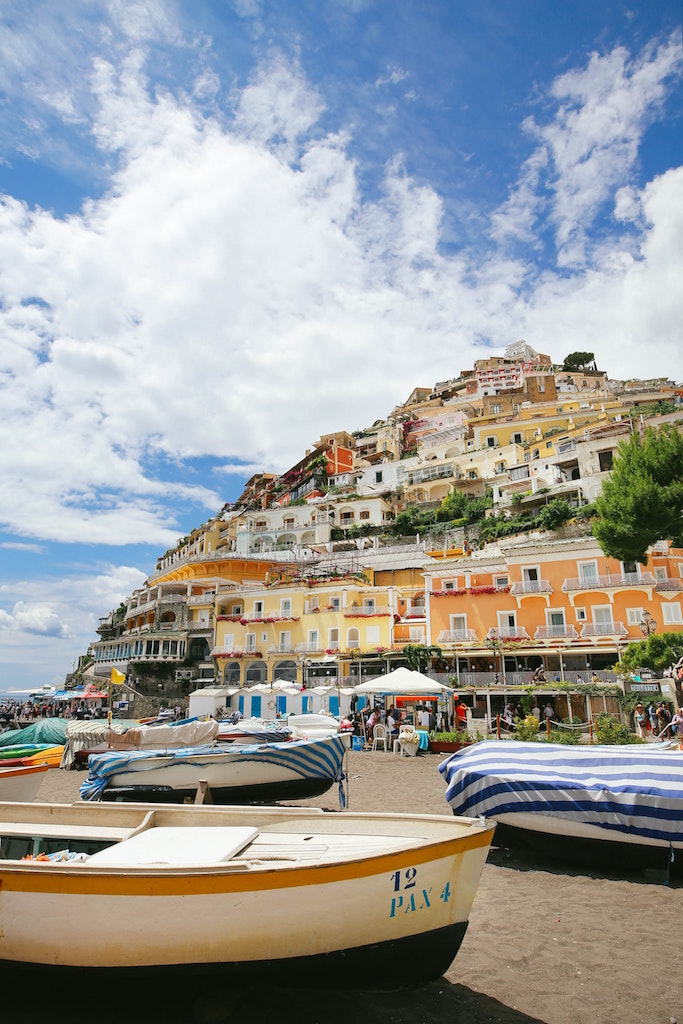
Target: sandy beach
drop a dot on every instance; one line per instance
(544, 944)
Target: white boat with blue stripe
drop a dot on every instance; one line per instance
(592, 803)
(234, 774)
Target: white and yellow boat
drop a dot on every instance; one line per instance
(285, 894)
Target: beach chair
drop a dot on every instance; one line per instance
(379, 736)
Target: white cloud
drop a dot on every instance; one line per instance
(47, 623)
(234, 295)
(589, 145)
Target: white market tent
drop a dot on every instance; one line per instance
(403, 682)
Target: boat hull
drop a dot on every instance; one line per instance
(415, 960)
(257, 792)
(328, 892)
(21, 782)
(583, 844)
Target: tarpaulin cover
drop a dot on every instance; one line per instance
(47, 730)
(631, 789)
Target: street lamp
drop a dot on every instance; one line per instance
(647, 624)
(494, 642)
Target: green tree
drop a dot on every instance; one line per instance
(579, 361)
(642, 501)
(419, 657)
(659, 652)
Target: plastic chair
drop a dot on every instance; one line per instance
(379, 735)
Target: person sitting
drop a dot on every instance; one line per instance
(372, 721)
(392, 726)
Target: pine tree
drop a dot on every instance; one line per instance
(642, 501)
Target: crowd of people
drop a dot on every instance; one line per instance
(17, 713)
(659, 720)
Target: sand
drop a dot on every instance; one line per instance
(546, 945)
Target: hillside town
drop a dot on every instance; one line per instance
(451, 535)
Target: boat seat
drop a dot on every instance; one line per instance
(191, 846)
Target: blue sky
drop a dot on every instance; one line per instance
(228, 227)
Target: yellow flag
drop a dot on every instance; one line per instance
(117, 677)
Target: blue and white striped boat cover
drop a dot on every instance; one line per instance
(310, 759)
(630, 789)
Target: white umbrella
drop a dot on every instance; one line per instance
(403, 682)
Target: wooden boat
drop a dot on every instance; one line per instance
(602, 805)
(251, 773)
(21, 782)
(293, 895)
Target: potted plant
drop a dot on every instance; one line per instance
(449, 742)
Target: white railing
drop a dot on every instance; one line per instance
(556, 633)
(207, 598)
(608, 629)
(365, 611)
(457, 636)
(531, 587)
(508, 633)
(309, 648)
(626, 579)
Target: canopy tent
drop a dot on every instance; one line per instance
(403, 682)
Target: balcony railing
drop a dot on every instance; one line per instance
(531, 587)
(421, 476)
(606, 629)
(366, 611)
(556, 633)
(610, 581)
(207, 598)
(508, 633)
(235, 652)
(457, 636)
(280, 649)
(670, 585)
(310, 648)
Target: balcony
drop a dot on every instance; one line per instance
(457, 636)
(604, 630)
(508, 633)
(669, 585)
(207, 598)
(421, 476)
(366, 611)
(531, 587)
(611, 581)
(546, 633)
(281, 649)
(235, 652)
(418, 612)
(310, 648)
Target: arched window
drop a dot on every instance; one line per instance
(256, 672)
(353, 638)
(232, 673)
(285, 671)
